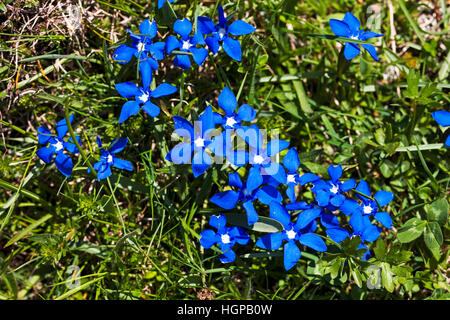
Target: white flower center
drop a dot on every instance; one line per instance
(110, 158)
(354, 37)
(335, 189)
(186, 45)
(58, 146)
(144, 97)
(199, 142)
(221, 33)
(258, 159)
(291, 178)
(141, 46)
(230, 122)
(367, 209)
(225, 238)
(291, 234)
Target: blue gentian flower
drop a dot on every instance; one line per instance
(245, 195)
(142, 96)
(57, 145)
(349, 27)
(291, 162)
(186, 44)
(199, 139)
(220, 34)
(443, 119)
(291, 233)
(225, 237)
(260, 156)
(331, 192)
(228, 103)
(370, 207)
(142, 46)
(108, 158)
(161, 3)
(362, 227)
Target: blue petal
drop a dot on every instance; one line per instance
(199, 39)
(363, 187)
(123, 54)
(182, 61)
(128, 89)
(129, 108)
(151, 109)
(339, 28)
(200, 162)
(233, 48)
(291, 160)
(64, 164)
(275, 146)
(313, 241)
(357, 222)
(441, 117)
(337, 200)
(213, 44)
(164, 89)
(267, 194)
(352, 22)
(45, 154)
(290, 192)
(302, 205)
(383, 197)
(329, 220)
(237, 157)
(348, 185)
(183, 27)
(234, 180)
(308, 178)
(371, 233)
(279, 213)
(207, 122)
(228, 256)
(246, 113)
(172, 43)
(148, 28)
(118, 145)
(227, 101)
(240, 28)
(349, 207)
(254, 179)
(271, 241)
(146, 70)
(252, 215)
(337, 234)
(104, 172)
(371, 49)
(61, 126)
(384, 218)
(226, 200)
(205, 25)
(44, 135)
(222, 20)
(240, 235)
(351, 50)
(219, 222)
(369, 34)
(305, 217)
(323, 198)
(207, 238)
(183, 127)
(180, 154)
(291, 255)
(447, 141)
(199, 55)
(122, 164)
(335, 172)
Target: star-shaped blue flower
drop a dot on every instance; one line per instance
(57, 145)
(225, 237)
(291, 233)
(186, 44)
(349, 27)
(108, 158)
(220, 34)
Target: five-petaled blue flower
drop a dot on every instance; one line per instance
(186, 44)
(199, 138)
(228, 199)
(220, 34)
(443, 119)
(108, 158)
(142, 47)
(56, 145)
(142, 96)
(291, 233)
(225, 237)
(349, 27)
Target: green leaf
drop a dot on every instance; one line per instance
(380, 249)
(356, 275)
(433, 239)
(386, 277)
(264, 224)
(411, 230)
(437, 211)
(28, 230)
